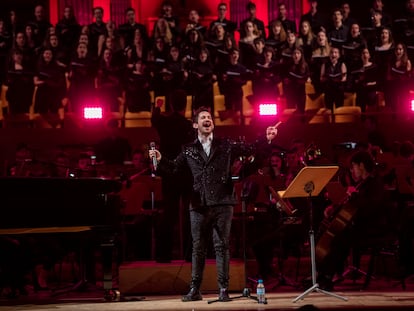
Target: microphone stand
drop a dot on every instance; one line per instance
(153, 176)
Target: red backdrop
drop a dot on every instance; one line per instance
(147, 10)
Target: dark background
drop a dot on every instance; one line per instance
(24, 8)
(359, 8)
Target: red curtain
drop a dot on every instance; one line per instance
(238, 10)
(118, 8)
(293, 7)
(82, 9)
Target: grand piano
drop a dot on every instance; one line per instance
(32, 205)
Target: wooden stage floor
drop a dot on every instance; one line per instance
(383, 294)
(368, 300)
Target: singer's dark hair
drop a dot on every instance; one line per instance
(198, 111)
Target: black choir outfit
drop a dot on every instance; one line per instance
(247, 54)
(5, 45)
(259, 24)
(68, 31)
(294, 86)
(172, 78)
(108, 86)
(337, 36)
(265, 80)
(396, 88)
(334, 87)
(352, 50)
(40, 30)
(49, 94)
(137, 91)
(383, 56)
(127, 32)
(316, 20)
(157, 61)
(235, 78)
(214, 46)
(95, 31)
(365, 82)
(82, 82)
(201, 76)
(229, 26)
(20, 89)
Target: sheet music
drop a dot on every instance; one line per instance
(233, 73)
(296, 75)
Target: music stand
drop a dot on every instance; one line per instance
(309, 182)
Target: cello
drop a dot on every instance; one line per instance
(334, 225)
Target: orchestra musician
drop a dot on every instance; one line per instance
(367, 203)
(263, 248)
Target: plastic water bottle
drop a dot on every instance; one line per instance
(260, 292)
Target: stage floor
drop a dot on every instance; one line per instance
(383, 294)
(368, 300)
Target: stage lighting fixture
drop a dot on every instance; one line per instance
(268, 109)
(92, 113)
(412, 105)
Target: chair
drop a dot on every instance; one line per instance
(381, 247)
(323, 115)
(280, 88)
(216, 89)
(349, 99)
(219, 106)
(137, 119)
(163, 103)
(188, 107)
(4, 104)
(347, 114)
(314, 104)
(247, 106)
(120, 114)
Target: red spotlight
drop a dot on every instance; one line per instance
(412, 105)
(268, 109)
(92, 113)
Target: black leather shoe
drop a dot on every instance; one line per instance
(193, 295)
(224, 295)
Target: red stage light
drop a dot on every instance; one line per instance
(412, 105)
(93, 113)
(268, 109)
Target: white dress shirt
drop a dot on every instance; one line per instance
(206, 143)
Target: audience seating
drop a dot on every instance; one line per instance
(315, 111)
(188, 107)
(347, 114)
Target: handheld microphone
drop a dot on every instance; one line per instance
(154, 159)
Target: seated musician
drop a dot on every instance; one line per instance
(268, 226)
(367, 202)
(85, 166)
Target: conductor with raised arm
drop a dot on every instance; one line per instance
(212, 199)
